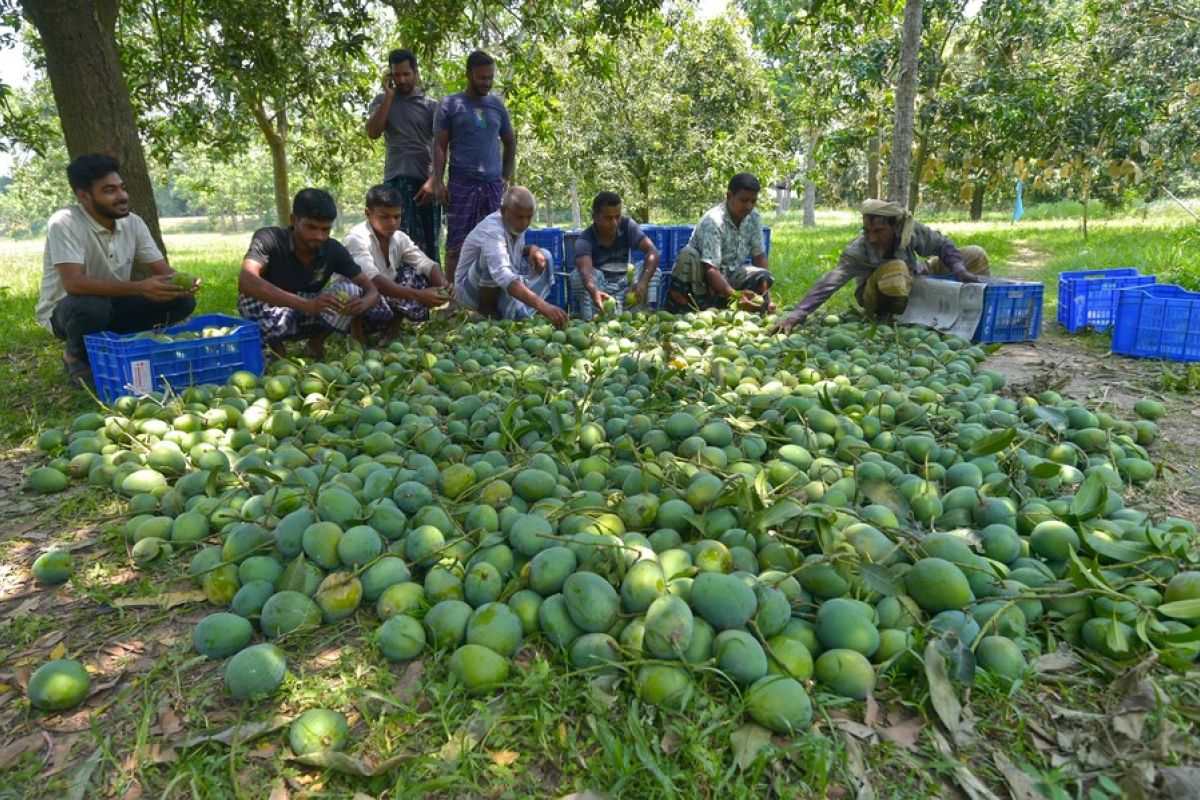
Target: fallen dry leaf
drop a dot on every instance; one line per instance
(169, 723)
(747, 741)
(871, 715)
(58, 652)
(239, 733)
(1020, 785)
(164, 601)
(670, 742)
(905, 733)
(1056, 661)
(340, 762)
(278, 791)
(504, 758)
(409, 681)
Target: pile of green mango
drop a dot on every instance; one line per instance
(691, 503)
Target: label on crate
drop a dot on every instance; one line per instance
(141, 380)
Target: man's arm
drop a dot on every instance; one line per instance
(760, 261)
(519, 291)
(441, 150)
(587, 274)
(157, 287)
(378, 114)
(821, 291)
(368, 299)
(927, 242)
(508, 143)
(252, 284)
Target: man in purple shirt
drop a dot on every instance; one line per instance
(883, 259)
(469, 129)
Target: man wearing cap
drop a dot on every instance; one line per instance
(884, 258)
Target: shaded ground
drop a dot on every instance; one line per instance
(1082, 368)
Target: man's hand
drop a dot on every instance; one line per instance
(555, 314)
(441, 193)
(599, 298)
(640, 290)
(160, 289)
(966, 276)
(325, 301)
(537, 260)
(388, 88)
(425, 193)
(355, 306)
(430, 298)
(750, 300)
(786, 325)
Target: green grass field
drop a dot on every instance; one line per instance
(552, 732)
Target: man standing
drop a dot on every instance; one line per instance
(883, 260)
(89, 255)
(499, 275)
(711, 269)
(282, 285)
(408, 280)
(403, 115)
(603, 269)
(470, 128)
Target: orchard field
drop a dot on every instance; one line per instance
(1106, 717)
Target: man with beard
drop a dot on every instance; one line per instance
(403, 115)
(88, 262)
(469, 129)
(501, 276)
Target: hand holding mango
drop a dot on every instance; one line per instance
(185, 281)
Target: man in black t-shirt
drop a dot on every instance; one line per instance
(604, 268)
(284, 278)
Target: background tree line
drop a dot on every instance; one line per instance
(225, 108)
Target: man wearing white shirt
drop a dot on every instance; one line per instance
(409, 282)
(89, 256)
(498, 275)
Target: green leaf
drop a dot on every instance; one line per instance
(880, 579)
(568, 361)
(1052, 417)
(1186, 637)
(779, 513)
(1091, 497)
(994, 443)
(826, 403)
(1121, 552)
(1045, 470)
(1181, 609)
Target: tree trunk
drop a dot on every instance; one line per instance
(275, 132)
(874, 150)
(977, 200)
(918, 166)
(548, 219)
(576, 213)
(79, 39)
(1087, 197)
(906, 96)
(810, 187)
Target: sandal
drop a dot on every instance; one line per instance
(79, 374)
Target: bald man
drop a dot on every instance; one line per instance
(883, 260)
(499, 275)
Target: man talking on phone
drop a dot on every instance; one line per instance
(403, 115)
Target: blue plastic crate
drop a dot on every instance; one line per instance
(549, 238)
(128, 365)
(1088, 298)
(680, 236)
(660, 235)
(1012, 312)
(1158, 321)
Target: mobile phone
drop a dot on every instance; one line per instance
(391, 83)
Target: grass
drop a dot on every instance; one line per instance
(552, 731)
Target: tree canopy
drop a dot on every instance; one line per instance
(238, 104)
